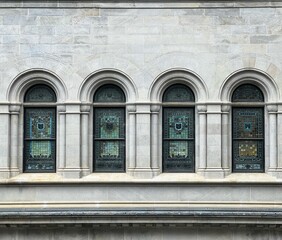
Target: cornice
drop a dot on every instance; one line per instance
(140, 4)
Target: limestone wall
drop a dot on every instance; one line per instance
(143, 47)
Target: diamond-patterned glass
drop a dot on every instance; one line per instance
(109, 139)
(178, 93)
(178, 140)
(40, 139)
(248, 139)
(247, 93)
(40, 93)
(109, 93)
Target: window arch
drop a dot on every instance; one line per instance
(248, 129)
(40, 129)
(178, 129)
(109, 129)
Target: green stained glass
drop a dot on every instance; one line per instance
(109, 139)
(248, 122)
(178, 149)
(178, 137)
(248, 139)
(40, 93)
(179, 123)
(109, 93)
(40, 139)
(247, 93)
(178, 93)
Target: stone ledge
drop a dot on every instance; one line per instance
(176, 217)
(124, 178)
(139, 4)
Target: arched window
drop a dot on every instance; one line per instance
(178, 129)
(40, 130)
(109, 129)
(248, 129)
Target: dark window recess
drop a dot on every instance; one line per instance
(109, 131)
(40, 131)
(178, 131)
(248, 131)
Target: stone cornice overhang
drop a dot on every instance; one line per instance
(140, 4)
(123, 217)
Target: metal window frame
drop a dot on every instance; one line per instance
(118, 106)
(25, 141)
(244, 106)
(193, 140)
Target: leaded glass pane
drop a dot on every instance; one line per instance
(40, 93)
(109, 123)
(178, 93)
(247, 93)
(40, 144)
(248, 123)
(109, 139)
(109, 93)
(248, 139)
(248, 155)
(178, 137)
(178, 156)
(178, 123)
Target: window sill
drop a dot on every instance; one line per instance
(124, 178)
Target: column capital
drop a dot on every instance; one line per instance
(61, 108)
(131, 108)
(272, 108)
(202, 108)
(155, 108)
(85, 108)
(225, 108)
(15, 108)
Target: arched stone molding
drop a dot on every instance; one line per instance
(15, 96)
(268, 65)
(253, 76)
(107, 76)
(161, 83)
(45, 63)
(271, 94)
(173, 76)
(109, 62)
(86, 95)
(25, 80)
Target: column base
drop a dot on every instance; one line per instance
(5, 173)
(143, 173)
(14, 172)
(213, 173)
(70, 173)
(275, 172)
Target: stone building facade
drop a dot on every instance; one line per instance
(141, 49)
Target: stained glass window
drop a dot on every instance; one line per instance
(109, 131)
(40, 93)
(40, 131)
(248, 130)
(178, 131)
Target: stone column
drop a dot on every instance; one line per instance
(214, 167)
(272, 112)
(61, 136)
(143, 142)
(73, 142)
(4, 139)
(16, 162)
(226, 135)
(279, 141)
(155, 137)
(85, 134)
(202, 143)
(131, 142)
